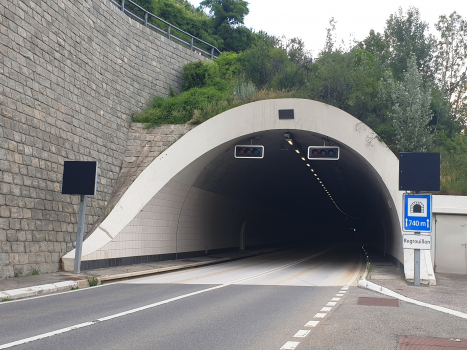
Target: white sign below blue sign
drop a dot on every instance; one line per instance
(417, 213)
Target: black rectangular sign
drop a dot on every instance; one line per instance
(286, 114)
(419, 171)
(79, 178)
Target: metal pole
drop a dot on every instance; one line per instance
(191, 46)
(212, 52)
(146, 19)
(79, 235)
(168, 32)
(123, 5)
(416, 260)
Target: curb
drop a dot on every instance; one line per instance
(38, 290)
(51, 288)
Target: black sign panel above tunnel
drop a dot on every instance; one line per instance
(419, 171)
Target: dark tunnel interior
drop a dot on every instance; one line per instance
(356, 207)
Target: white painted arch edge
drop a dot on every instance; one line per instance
(258, 116)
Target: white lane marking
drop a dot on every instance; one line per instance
(326, 309)
(342, 291)
(339, 295)
(311, 324)
(46, 335)
(345, 288)
(335, 299)
(290, 345)
(102, 319)
(331, 303)
(377, 288)
(302, 333)
(319, 315)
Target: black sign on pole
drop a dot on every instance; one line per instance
(419, 171)
(79, 178)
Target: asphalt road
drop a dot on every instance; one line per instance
(255, 303)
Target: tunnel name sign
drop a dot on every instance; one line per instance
(417, 213)
(422, 242)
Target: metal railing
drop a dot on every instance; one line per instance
(173, 33)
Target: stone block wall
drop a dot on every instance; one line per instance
(72, 72)
(142, 147)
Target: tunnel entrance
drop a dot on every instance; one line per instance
(197, 197)
(341, 200)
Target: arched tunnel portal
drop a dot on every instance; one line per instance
(197, 196)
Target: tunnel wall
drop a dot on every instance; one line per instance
(72, 72)
(181, 221)
(210, 136)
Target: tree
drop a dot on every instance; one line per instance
(406, 35)
(451, 63)
(232, 12)
(409, 109)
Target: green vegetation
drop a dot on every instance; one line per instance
(5, 299)
(36, 271)
(93, 281)
(402, 82)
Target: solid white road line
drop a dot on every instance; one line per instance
(102, 319)
(377, 288)
(46, 335)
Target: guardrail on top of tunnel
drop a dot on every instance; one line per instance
(172, 33)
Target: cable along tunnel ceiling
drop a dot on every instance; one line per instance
(284, 183)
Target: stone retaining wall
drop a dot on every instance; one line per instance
(72, 72)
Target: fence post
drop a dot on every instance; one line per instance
(123, 5)
(146, 19)
(212, 52)
(168, 32)
(191, 46)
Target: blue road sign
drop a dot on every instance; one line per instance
(417, 213)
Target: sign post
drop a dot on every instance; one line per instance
(80, 178)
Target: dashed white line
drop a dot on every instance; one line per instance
(290, 345)
(302, 333)
(311, 324)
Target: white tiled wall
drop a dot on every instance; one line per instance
(180, 218)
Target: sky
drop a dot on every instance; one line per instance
(308, 19)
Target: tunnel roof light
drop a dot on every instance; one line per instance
(303, 158)
(297, 150)
(290, 141)
(317, 179)
(316, 174)
(313, 170)
(308, 164)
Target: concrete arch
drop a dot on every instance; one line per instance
(179, 171)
